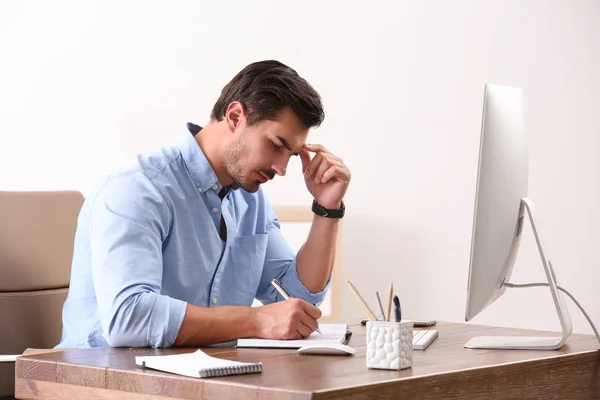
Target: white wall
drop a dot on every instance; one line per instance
(84, 85)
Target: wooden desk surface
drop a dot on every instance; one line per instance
(446, 370)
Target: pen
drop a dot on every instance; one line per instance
(397, 310)
(381, 316)
(284, 293)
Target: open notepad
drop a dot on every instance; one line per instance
(336, 333)
(197, 365)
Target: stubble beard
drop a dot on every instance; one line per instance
(234, 157)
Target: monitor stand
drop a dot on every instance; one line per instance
(530, 342)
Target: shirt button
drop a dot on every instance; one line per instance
(215, 187)
(199, 190)
(214, 300)
(215, 210)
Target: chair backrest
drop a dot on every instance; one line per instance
(37, 230)
(36, 239)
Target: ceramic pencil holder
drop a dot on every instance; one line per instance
(389, 344)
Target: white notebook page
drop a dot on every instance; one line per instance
(331, 333)
(9, 357)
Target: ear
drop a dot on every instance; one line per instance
(235, 116)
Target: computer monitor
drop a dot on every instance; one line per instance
(500, 205)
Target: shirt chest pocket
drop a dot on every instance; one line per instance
(247, 261)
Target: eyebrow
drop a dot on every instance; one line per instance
(285, 144)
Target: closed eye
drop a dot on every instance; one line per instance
(278, 147)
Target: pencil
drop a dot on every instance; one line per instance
(362, 302)
(389, 310)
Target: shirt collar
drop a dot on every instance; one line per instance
(202, 173)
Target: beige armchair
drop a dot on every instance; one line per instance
(36, 247)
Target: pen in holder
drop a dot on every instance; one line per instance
(389, 344)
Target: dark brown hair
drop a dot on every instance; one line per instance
(267, 87)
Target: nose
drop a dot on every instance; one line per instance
(280, 165)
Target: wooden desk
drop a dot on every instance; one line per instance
(446, 370)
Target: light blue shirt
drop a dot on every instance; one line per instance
(147, 243)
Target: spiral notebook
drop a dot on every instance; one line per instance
(197, 365)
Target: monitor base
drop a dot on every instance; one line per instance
(532, 343)
(515, 343)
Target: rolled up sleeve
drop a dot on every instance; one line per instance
(128, 223)
(280, 263)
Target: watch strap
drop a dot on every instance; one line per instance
(328, 212)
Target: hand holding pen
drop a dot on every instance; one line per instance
(283, 320)
(284, 293)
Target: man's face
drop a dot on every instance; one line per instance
(261, 151)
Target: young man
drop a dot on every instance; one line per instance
(173, 250)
